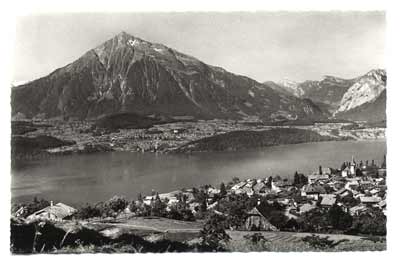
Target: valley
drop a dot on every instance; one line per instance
(86, 137)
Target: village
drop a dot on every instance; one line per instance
(169, 136)
(348, 202)
(355, 188)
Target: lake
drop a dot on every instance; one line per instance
(77, 179)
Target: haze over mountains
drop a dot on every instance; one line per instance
(129, 75)
(360, 98)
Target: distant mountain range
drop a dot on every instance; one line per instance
(127, 74)
(360, 98)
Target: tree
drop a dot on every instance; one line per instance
(344, 166)
(299, 179)
(87, 212)
(296, 178)
(140, 198)
(157, 207)
(222, 190)
(269, 182)
(372, 222)
(235, 180)
(338, 218)
(213, 234)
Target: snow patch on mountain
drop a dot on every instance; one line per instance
(293, 86)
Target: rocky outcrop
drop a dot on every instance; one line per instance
(367, 95)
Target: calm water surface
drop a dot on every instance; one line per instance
(76, 179)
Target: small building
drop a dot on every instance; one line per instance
(57, 212)
(357, 210)
(317, 177)
(312, 191)
(256, 221)
(248, 190)
(326, 170)
(369, 201)
(328, 201)
(238, 185)
(260, 188)
(343, 192)
(306, 208)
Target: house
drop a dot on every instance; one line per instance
(256, 221)
(148, 200)
(374, 191)
(57, 212)
(357, 210)
(260, 187)
(248, 190)
(342, 192)
(306, 208)
(326, 170)
(317, 177)
(312, 191)
(238, 185)
(381, 204)
(328, 201)
(369, 201)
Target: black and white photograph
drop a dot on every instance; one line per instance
(199, 132)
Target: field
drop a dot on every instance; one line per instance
(289, 242)
(162, 228)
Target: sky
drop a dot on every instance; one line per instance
(261, 45)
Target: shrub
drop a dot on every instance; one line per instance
(87, 212)
(213, 233)
(321, 242)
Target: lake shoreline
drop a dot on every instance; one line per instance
(95, 177)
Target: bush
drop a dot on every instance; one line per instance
(116, 204)
(372, 222)
(321, 242)
(213, 233)
(87, 212)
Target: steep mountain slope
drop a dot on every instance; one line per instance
(329, 90)
(127, 74)
(292, 86)
(326, 93)
(366, 99)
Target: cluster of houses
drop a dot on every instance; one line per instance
(356, 187)
(361, 183)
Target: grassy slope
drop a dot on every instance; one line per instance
(288, 241)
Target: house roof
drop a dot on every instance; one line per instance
(259, 186)
(311, 189)
(60, 210)
(357, 208)
(328, 201)
(306, 207)
(370, 199)
(340, 191)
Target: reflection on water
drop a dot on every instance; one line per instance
(97, 177)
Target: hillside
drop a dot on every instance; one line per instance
(130, 75)
(374, 111)
(242, 140)
(366, 99)
(326, 93)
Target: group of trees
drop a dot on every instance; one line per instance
(299, 180)
(336, 220)
(157, 207)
